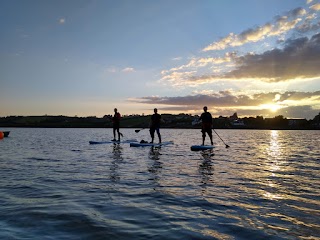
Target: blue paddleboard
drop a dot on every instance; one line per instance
(108, 142)
(137, 144)
(201, 147)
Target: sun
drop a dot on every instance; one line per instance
(271, 107)
(274, 108)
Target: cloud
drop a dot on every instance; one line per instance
(288, 103)
(230, 99)
(316, 7)
(204, 61)
(111, 69)
(309, 25)
(128, 69)
(305, 111)
(280, 25)
(287, 49)
(62, 20)
(298, 59)
(183, 74)
(285, 55)
(289, 112)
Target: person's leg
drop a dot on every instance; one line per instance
(159, 135)
(152, 134)
(203, 136)
(114, 133)
(118, 130)
(210, 135)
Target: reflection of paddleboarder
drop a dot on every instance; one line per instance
(116, 124)
(155, 125)
(206, 124)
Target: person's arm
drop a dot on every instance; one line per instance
(200, 118)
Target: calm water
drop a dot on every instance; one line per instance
(54, 185)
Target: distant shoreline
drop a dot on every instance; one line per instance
(180, 121)
(284, 129)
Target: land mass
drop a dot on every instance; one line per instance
(170, 121)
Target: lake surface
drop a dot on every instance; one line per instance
(54, 185)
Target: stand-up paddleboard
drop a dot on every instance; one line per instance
(201, 147)
(144, 144)
(108, 142)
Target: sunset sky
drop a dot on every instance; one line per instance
(86, 57)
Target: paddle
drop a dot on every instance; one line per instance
(221, 139)
(138, 130)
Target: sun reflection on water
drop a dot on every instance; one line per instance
(273, 167)
(274, 149)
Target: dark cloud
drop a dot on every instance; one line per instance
(228, 99)
(296, 96)
(298, 59)
(223, 98)
(299, 112)
(296, 12)
(226, 103)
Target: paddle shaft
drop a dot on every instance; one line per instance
(221, 139)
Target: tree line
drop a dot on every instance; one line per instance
(170, 121)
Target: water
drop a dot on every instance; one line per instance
(54, 185)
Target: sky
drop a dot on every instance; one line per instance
(87, 57)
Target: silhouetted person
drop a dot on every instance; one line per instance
(116, 124)
(206, 119)
(155, 125)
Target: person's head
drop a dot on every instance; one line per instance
(205, 108)
(155, 110)
(115, 110)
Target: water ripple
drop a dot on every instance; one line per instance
(57, 186)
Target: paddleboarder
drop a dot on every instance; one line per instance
(116, 124)
(206, 119)
(155, 125)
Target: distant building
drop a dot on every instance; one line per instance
(237, 123)
(234, 117)
(195, 121)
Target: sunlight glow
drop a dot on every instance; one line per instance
(272, 107)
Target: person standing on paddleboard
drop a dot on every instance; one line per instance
(155, 125)
(116, 124)
(206, 119)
